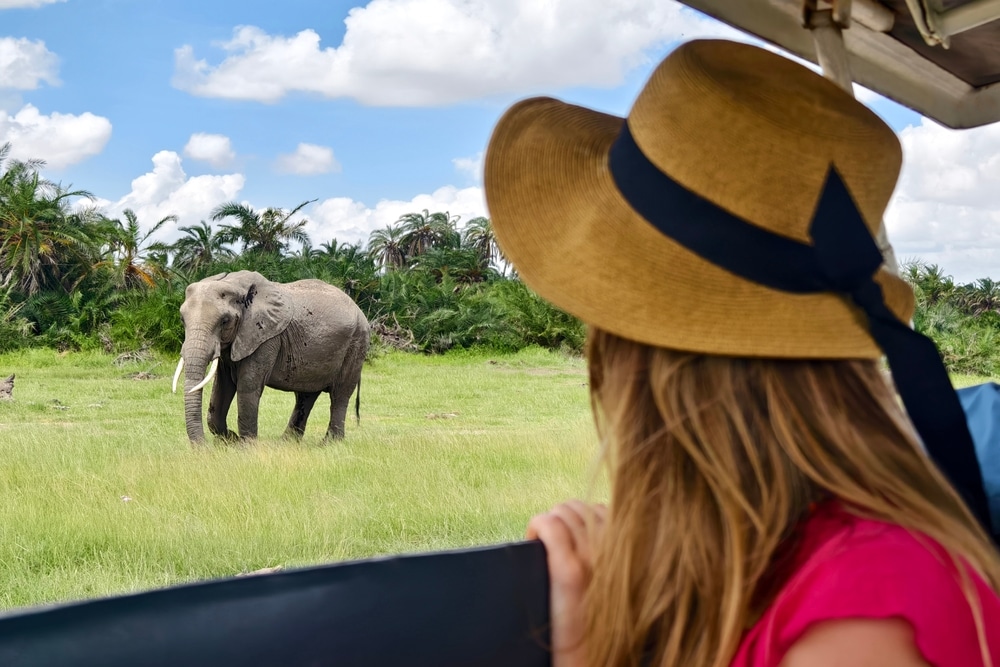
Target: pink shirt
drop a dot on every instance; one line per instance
(856, 568)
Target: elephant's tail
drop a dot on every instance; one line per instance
(357, 402)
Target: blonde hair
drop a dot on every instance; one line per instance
(713, 462)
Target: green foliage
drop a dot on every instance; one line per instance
(149, 319)
(962, 320)
(15, 329)
(78, 280)
(442, 313)
(535, 321)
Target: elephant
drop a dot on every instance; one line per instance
(306, 337)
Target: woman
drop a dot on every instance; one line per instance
(771, 505)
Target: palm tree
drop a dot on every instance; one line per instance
(386, 247)
(353, 269)
(129, 260)
(16, 169)
(424, 231)
(200, 246)
(928, 281)
(40, 240)
(330, 249)
(478, 236)
(307, 253)
(935, 284)
(463, 265)
(984, 296)
(267, 231)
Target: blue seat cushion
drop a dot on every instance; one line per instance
(982, 411)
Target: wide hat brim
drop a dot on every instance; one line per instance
(562, 222)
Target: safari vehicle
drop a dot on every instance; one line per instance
(489, 606)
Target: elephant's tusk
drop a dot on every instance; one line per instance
(177, 373)
(208, 378)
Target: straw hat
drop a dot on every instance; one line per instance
(744, 128)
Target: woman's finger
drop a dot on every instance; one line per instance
(585, 523)
(578, 531)
(566, 565)
(551, 530)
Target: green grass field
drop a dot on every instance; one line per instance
(101, 493)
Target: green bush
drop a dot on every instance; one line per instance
(150, 318)
(15, 329)
(966, 334)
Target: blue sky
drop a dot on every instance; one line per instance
(392, 102)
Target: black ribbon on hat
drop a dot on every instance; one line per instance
(843, 258)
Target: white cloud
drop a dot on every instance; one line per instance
(308, 159)
(26, 4)
(59, 139)
(348, 220)
(470, 166)
(434, 52)
(24, 64)
(167, 190)
(946, 210)
(216, 149)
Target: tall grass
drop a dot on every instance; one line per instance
(100, 491)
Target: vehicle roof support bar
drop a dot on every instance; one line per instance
(826, 26)
(830, 48)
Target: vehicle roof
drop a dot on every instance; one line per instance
(940, 58)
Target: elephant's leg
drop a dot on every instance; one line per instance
(304, 402)
(247, 408)
(340, 399)
(252, 374)
(223, 393)
(347, 382)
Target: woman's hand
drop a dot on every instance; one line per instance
(569, 546)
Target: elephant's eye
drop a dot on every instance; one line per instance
(225, 319)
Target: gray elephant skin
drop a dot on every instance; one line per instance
(306, 337)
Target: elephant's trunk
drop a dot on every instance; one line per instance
(195, 360)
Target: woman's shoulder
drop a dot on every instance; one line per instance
(853, 567)
(863, 563)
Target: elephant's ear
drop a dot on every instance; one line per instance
(267, 312)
